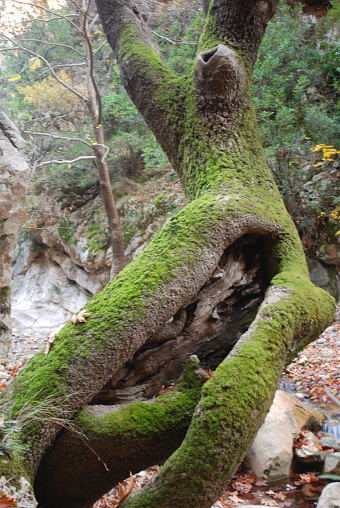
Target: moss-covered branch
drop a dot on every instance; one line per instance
(127, 438)
(237, 398)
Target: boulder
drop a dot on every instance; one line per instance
(124, 186)
(309, 452)
(324, 277)
(330, 496)
(14, 179)
(332, 464)
(271, 454)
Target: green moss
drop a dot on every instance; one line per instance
(12, 468)
(159, 200)
(65, 231)
(4, 296)
(154, 421)
(144, 58)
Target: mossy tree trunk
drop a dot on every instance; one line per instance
(226, 279)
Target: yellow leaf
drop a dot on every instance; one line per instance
(15, 78)
(35, 63)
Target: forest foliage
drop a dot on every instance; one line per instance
(296, 92)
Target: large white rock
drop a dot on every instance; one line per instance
(330, 496)
(43, 296)
(271, 454)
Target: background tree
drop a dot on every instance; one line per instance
(225, 279)
(68, 109)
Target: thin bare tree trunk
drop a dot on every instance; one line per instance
(95, 108)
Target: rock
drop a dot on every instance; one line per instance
(22, 493)
(330, 254)
(329, 441)
(14, 179)
(271, 454)
(330, 496)
(308, 453)
(300, 395)
(332, 464)
(124, 186)
(322, 276)
(43, 297)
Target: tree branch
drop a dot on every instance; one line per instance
(172, 42)
(55, 44)
(90, 56)
(106, 430)
(239, 24)
(59, 16)
(54, 136)
(66, 161)
(148, 80)
(82, 97)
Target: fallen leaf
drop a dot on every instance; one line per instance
(306, 478)
(269, 502)
(5, 501)
(161, 391)
(209, 372)
(79, 317)
(281, 496)
(235, 499)
(126, 487)
(48, 346)
(261, 483)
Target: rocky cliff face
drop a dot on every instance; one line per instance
(14, 179)
(64, 256)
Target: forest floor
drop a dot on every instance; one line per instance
(314, 377)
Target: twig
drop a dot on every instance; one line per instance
(82, 97)
(55, 44)
(47, 134)
(59, 16)
(172, 42)
(66, 161)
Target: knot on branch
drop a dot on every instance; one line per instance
(220, 66)
(219, 80)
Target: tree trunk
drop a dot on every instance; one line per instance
(226, 279)
(95, 108)
(14, 180)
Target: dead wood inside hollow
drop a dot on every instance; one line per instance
(208, 327)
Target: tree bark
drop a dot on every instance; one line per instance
(226, 279)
